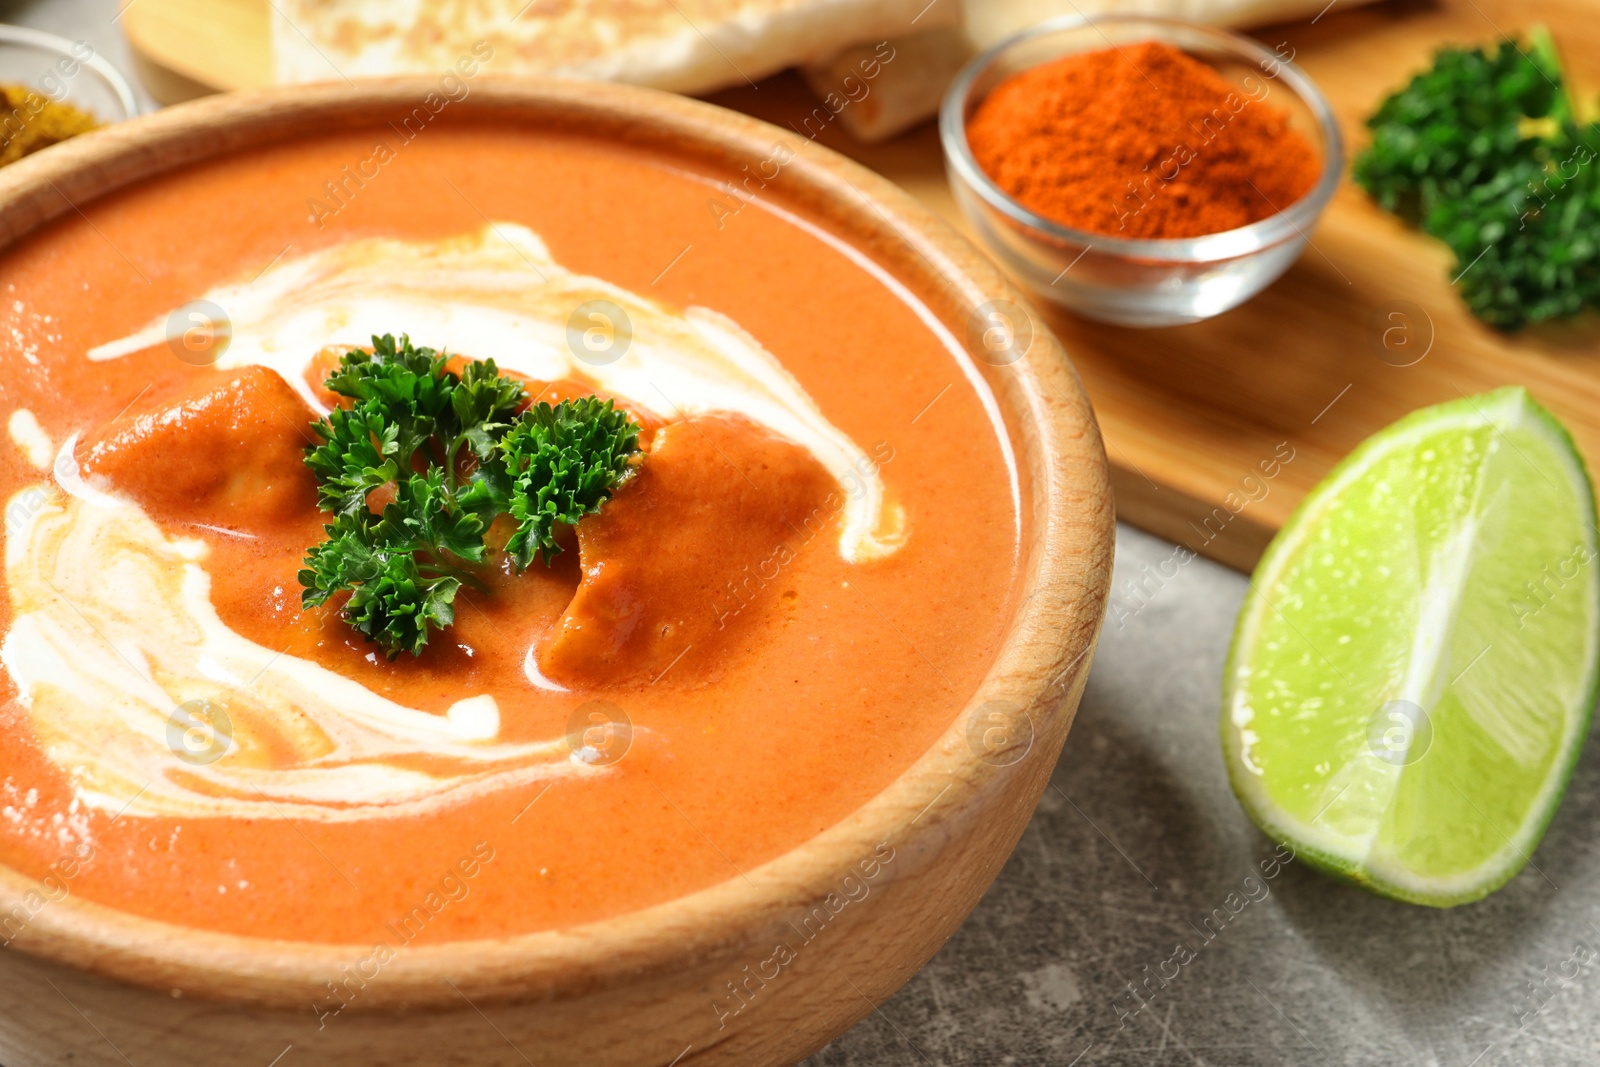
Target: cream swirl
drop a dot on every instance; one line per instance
(114, 634)
(498, 293)
(114, 641)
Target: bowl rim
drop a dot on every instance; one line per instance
(1287, 223)
(1041, 665)
(62, 47)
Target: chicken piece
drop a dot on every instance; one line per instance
(229, 453)
(667, 563)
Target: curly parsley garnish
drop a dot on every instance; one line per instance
(449, 454)
(1484, 151)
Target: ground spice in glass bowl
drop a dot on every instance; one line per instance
(53, 89)
(30, 121)
(1143, 142)
(1138, 170)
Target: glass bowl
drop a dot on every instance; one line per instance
(66, 72)
(1140, 282)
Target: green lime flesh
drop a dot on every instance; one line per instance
(1414, 668)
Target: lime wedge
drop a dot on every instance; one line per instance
(1414, 669)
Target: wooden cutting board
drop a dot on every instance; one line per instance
(1195, 416)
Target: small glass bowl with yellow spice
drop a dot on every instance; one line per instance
(52, 89)
(1141, 171)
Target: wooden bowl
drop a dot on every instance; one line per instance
(803, 945)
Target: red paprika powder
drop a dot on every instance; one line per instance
(1141, 141)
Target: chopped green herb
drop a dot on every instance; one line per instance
(563, 462)
(453, 455)
(1485, 151)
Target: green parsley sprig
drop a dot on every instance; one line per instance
(452, 453)
(1485, 152)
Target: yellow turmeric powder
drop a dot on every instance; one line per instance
(30, 121)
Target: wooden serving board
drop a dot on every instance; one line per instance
(1195, 417)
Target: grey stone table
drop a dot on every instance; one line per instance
(1139, 842)
(1073, 957)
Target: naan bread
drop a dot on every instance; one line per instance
(687, 46)
(910, 87)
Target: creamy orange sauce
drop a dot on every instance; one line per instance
(772, 686)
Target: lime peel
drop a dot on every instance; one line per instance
(1414, 670)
